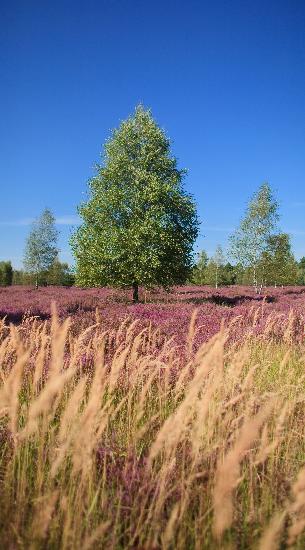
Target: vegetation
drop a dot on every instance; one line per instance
(41, 247)
(199, 270)
(6, 274)
(139, 225)
(251, 238)
(117, 439)
(277, 262)
(263, 257)
(276, 266)
(58, 274)
(178, 423)
(301, 272)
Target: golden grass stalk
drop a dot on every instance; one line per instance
(228, 470)
(114, 439)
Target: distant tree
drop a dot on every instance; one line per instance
(301, 271)
(236, 274)
(139, 225)
(18, 277)
(41, 246)
(214, 270)
(251, 238)
(278, 263)
(219, 259)
(199, 270)
(229, 274)
(60, 274)
(6, 273)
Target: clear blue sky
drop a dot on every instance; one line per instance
(225, 79)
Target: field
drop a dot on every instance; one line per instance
(169, 312)
(177, 422)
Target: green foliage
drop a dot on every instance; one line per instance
(59, 274)
(199, 271)
(278, 264)
(251, 238)
(20, 277)
(301, 271)
(41, 246)
(139, 225)
(215, 268)
(216, 271)
(6, 274)
(228, 274)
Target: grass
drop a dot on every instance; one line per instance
(116, 439)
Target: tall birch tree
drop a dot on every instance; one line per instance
(250, 240)
(41, 246)
(139, 223)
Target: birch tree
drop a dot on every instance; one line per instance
(41, 246)
(139, 223)
(250, 240)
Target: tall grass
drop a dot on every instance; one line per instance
(116, 439)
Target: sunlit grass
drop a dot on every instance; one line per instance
(117, 439)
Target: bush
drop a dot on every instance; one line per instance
(6, 274)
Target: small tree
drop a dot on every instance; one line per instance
(278, 263)
(219, 259)
(301, 271)
(251, 238)
(6, 274)
(229, 274)
(60, 274)
(214, 270)
(18, 277)
(139, 225)
(41, 246)
(199, 270)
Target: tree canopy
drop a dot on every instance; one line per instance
(278, 263)
(41, 245)
(251, 238)
(6, 273)
(139, 224)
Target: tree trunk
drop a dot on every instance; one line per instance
(36, 281)
(135, 296)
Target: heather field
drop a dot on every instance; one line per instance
(169, 312)
(174, 423)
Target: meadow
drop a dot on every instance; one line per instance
(177, 422)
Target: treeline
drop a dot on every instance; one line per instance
(59, 274)
(272, 271)
(6, 274)
(262, 252)
(42, 266)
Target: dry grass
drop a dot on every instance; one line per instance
(117, 440)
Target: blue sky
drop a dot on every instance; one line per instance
(225, 79)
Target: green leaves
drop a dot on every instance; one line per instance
(139, 223)
(277, 262)
(41, 246)
(250, 239)
(6, 273)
